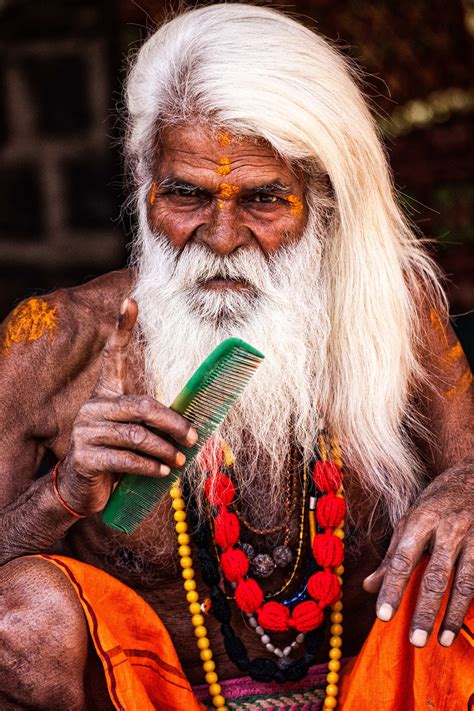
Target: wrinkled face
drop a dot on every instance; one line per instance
(226, 193)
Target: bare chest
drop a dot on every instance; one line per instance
(148, 562)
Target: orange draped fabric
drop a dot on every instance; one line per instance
(143, 672)
(391, 675)
(140, 663)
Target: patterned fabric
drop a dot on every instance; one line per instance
(247, 695)
(143, 672)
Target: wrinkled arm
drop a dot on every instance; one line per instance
(34, 521)
(112, 433)
(442, 519)
(31, 518)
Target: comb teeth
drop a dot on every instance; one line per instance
(204, 401)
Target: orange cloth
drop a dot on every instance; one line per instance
(140, 663)
(391, 675)
(143, 672)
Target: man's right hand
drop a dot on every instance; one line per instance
(111, 434)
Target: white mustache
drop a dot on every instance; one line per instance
(261, 275)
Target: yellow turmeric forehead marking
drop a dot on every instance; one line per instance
(30, 321)
(224, 138)
(223, 166)
(461, 386)
(227, 191)
(296, 205)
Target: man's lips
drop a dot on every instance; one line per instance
(218, 284)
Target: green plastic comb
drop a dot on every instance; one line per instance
(205, 400)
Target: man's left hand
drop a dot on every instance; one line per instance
(442, 520)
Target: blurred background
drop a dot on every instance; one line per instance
(61, 180)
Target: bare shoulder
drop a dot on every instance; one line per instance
(93, 306)
(47, 342)
(446, 394)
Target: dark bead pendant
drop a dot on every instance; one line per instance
(282, 556)
(249, 550)
(262, 565)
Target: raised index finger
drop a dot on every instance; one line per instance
(112, 376)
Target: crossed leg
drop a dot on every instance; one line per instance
(47, 660)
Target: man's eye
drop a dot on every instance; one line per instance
(187, 192)
(265, 198)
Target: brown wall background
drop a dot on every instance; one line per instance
(61, 180)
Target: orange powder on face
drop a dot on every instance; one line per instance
(29, 322)
(153, 194)
(224, 138)
(227, 191)
(223, 167)
(461, 386)
(296, 205)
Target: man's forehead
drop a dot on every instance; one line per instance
(186, 150)
(213, 144)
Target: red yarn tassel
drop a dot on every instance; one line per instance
(219, 489)
(226, 529)
(234, 564)
(330, 510)
(306, 616)
(324, 587)
(248, 595)
(327, 476)
(328, 550)
(274, 616)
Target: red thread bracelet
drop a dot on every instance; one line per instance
(60, 498)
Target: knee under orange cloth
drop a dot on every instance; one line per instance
(143, 672)
(389, 674)
(140, 663)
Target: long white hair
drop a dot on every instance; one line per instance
(257, 73)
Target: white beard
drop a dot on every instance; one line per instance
(283, 314)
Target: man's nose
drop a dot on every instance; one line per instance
(224, 233)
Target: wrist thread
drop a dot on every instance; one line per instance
(58, 495)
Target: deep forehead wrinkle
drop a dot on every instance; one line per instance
(275, 186)
(237, 153)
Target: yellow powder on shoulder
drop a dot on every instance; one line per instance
(461, 386)
(29, 322)
(454, 353)
(436, 321)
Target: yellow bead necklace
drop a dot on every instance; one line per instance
(192, 596)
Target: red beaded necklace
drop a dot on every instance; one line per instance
(323, 586)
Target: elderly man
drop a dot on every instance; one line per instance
(265, 211)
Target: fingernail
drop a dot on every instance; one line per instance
(164, 469)
(180, 459)
(192, 437)
(418, 638)
(124, 306)
(385, 612)
(447, 638)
